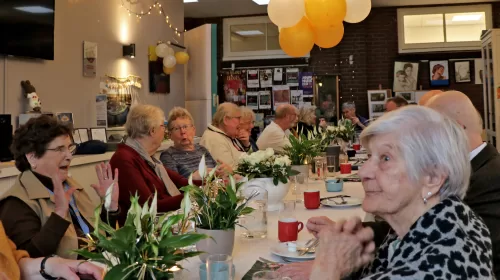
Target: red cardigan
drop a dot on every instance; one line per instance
(135, 175)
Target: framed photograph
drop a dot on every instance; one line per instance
(281, 95)
(376, 102)
(462, 72)
(253, 100)
(65, 118)
(478, 69)
(408, 96)
(265, 99)
(83, 135)
(76, 137)
(405, 76)
(439, 72)
(115, 135)
(98, 133)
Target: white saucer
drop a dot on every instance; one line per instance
(336, 202)
(281, 250)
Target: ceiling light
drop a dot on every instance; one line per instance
(249, 32)
(474, 17)
(190, 1)
(35, 9)
(261, 2)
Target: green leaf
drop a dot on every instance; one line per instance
(275, 181)
(126, 234)
(118, 272)
(96, 257)
(246, 211)
(232, 194)
(184, 240)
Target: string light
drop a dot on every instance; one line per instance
(161, 11)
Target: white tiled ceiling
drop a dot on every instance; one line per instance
(222, 8)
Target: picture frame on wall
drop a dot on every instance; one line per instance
(408, 96)
(439, 73)
(376, 102)
(405, 76)
(462, 71)
(115, 135)
(65, 118)
(81, 135)
(98, 133)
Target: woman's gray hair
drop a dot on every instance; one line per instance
(178, 113)
(307, 114)
(247, 113)
(226, 109)
(430, 144)
(142, 118)
(348, 105)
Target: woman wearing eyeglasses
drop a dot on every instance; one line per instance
(45, 211)
(184, 156)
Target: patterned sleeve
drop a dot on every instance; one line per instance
(168, 161)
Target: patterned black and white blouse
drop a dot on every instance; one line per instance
(447, 242)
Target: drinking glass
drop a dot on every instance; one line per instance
(255, 223)
(320, 166)
(330, 165)
(288, 210)
(268, 275)
(343, 158)
(219, 267)
(301, 183)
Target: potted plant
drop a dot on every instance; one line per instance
(144, 248)
(301, 151)
(269, 171)
(217, 207)
(346, 131)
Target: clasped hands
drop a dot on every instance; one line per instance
(344, 247)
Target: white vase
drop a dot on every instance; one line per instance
(275, 194)
(221, 242)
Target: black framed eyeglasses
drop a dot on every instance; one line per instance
(62, 149)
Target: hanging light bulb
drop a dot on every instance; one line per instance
(159, 5)
(170, 25)
(160, 12)
(167, 17)
(129, 14)
(149, 13)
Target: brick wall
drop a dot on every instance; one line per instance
(374, 46)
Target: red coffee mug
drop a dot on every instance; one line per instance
(288, 229)
(345, 168)
(356, 147)
(311, 199)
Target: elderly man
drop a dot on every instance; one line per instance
(349, 112)
(220, 138)
(275, 135)
(428, 95)
(394, 103)
(483, 195)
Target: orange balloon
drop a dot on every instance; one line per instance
(325, 13)
(328, 37)
(298, 40)
(168, 71)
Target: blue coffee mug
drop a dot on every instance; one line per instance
(334, 185)
(223, 272)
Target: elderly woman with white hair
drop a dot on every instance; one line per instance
(415, 178)
(247, 123)
(221, 137)
(140, 171)
(349, 112)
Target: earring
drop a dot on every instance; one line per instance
(425, 198)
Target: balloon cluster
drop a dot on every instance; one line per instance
(303, 23)
(170, 57)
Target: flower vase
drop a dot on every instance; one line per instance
(221, 242)
(276, 194)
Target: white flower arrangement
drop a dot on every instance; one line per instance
(265, 164)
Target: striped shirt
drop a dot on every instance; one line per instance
(186, 162)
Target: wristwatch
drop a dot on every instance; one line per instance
(42, 269)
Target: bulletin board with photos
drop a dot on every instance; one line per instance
(376, 102)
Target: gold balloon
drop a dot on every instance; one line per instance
(325, 13)
(328, 37)
(152, 53)
(182, 57)
(298, 40)
(168, 71)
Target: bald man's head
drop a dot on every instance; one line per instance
(459, 107)
(286, 116)
(427, 96)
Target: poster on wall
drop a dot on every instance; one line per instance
(278, 74)
(100, 106)
(439, 73)
(253, 100)
(306, 83)
(405, 76)
(462, 72)
(159, 81)
(265, 99)
(66, 118)
(235, 86)
(376, 102)
(89, 59)
(253, 78)
(292, 77)
(296, 97)
(408, 96)
(266, 78)
(281, 95)
(478, 70)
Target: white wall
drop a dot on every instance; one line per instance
(60, 83)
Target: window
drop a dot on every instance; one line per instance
(251, 38)
(442, 28)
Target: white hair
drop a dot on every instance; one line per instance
(142, 118)
(430, 144)
(348, 105)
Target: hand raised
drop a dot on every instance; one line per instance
(106, 180)
(62, 197)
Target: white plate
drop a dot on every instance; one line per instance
(281, 250)
(335, 202)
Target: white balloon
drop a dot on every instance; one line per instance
(169, 61)
(357, 10)
(286, 13)
(161, 50)
(170, 51)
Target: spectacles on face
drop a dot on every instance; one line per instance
(239, 117)
(63, 149)
(185, 127)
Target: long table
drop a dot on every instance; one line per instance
(247, 252)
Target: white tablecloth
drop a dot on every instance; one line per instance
(246, 252)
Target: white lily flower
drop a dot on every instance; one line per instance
(154, 206)
(202, 167)
(107, 198)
